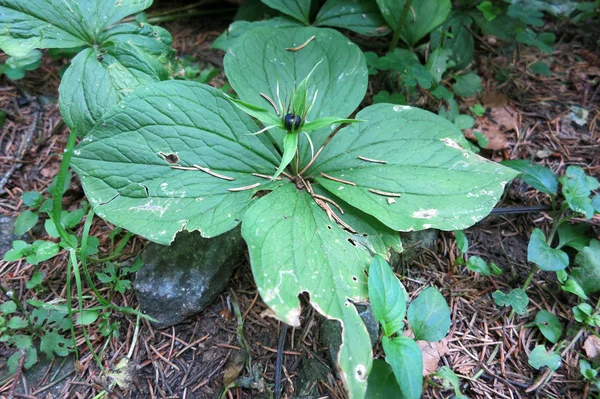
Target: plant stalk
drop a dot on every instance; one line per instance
(400, 25)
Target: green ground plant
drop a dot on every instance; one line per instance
(321, 192)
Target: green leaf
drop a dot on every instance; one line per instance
(438, 63)
(360, 16)
(467, 85)
(92, 245)
(30, 359)
(87, 317)
(42, 250)
(393, 153)
(517, 298)
(25, 221)
(32, 199)
(538, 177)
(16, 323)
(576, 187)
(19, 249)
(585, 368)
(387, 295)
(238, 29)
(295, 248)
(116, 58)
(545, 257)
(8, 307)
(35, 280)
(574, 287)
(15, 67)
(424, 16)
(478, 265)
(298, 9)
(489, 10)
(130, 184)
(477, 110)
(539, 358)
(404, 355)
(549, 325)
(575, 236)
(382, 382)
(22, 341)
(540, 68)
(54, 343)
(429, 315)
(464, 121)
(96, 81)
(528, 15)
(543, 41)
(341, 78)
(290, 144)
(454, 35)
(450, 380)
(385, 97)
(587, 272)
(462, 242)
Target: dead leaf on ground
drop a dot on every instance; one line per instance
(432, 353)
(592, 346)
(234, 367)
(500, 118)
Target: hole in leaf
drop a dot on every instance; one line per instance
(365, 235)
(329, 227)
(146, 189)
(351, 241)
(354, 278)
(172, 159)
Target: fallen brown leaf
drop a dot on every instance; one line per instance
(591, 346)
(432, 353)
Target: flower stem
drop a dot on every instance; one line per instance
(400, 25)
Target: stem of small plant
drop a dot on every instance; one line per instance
(58, 189)
(400, 25)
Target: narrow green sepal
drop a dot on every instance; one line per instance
(259, 113)
(300, 95)
(327, 121)
(290, 144)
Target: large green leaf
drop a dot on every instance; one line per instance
(408, 168)
(387, 295)
(295, 248)
(26, 25)
(95, 82)
(424, 16)
(259, 62)
(455, 36)
(298, 9)
(116, 60)
(125, 162)
(238, 29)
(360, 16)
(406, 359)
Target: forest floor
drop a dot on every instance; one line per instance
(529, 118)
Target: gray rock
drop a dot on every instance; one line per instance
(181, 280)
(59, 370)
(331, 331)
(7, 227)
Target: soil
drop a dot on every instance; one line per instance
(485, 346)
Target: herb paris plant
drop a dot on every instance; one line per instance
(180, 155)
